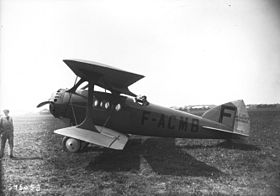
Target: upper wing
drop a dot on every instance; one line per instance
(104, 76)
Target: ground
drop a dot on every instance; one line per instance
(147, 166)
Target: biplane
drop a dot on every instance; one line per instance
(107, 118)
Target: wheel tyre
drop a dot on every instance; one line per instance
(63, 142)
(71, 144)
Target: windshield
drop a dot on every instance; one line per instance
(83, 89)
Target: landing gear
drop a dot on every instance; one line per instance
(73, 145)
(83, 145)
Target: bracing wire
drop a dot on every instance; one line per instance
(71, 104)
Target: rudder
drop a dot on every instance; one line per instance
(233, 115)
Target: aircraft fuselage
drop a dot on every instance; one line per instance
(125, 115)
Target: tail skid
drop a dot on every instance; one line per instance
(233, 115)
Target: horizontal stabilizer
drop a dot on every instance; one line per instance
(106, 138)
(225, 132)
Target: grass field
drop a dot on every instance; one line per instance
(147, 166)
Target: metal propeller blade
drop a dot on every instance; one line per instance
(44, 103)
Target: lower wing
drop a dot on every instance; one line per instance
(106, 137)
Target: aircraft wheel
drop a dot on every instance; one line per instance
(64, 140)
(71, 144)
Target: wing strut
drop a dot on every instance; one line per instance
(88, 122)
(76, 85)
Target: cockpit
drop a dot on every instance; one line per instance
(141, 100)
(81, 89)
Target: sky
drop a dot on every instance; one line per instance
(191, 52)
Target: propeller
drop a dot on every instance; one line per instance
(50, 100)
(56, 103)
(44, 103)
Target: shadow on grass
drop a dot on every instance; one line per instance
(224, 144)
(27, 158)
(161, 154)
(239, 146)
(114, 160)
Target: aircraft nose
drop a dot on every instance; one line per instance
(56, 103)
(58, 96)
(57, 106)
(52, 109)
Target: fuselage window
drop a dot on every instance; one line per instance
(107, 105)
(118, 107)
(95, 103)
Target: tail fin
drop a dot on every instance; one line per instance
(233, 115)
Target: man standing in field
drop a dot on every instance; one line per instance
(7, 133)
